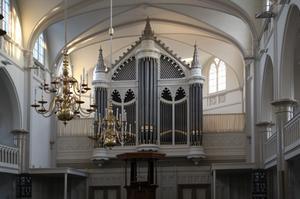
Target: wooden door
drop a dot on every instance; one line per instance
(193, 191)
(104, 192)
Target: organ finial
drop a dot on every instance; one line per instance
(196, 58)
(148, 33)
(100, 67)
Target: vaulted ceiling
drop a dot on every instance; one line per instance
(223, 28)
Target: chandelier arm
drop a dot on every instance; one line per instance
(82, 112)
(84, 115)
(51, 106)
(50, 111)
(37, 110)
(77, 105)
(76, 88)
(79, 88)
(47, 116)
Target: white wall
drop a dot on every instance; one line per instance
(40, 133)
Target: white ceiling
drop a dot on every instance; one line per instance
(225, 29)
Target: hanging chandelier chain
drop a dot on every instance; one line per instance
(111, 33)
(111, 14)
(65, 21)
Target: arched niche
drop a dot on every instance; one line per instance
(296, 72)
(10, 114)
(290, 64)
(267, 95)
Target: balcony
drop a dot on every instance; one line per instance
(291, 142)
(223, 138)
(8, 159)
(291, 134)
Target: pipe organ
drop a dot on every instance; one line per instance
(161, 94)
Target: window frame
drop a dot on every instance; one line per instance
(268, 5)
(220, 75)
(212, 72)
(39, 49)
(221, 86)
(6, 9)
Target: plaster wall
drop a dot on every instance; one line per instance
(40, 133)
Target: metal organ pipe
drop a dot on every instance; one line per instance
(147, 67)
(196, 112)
(101, 100)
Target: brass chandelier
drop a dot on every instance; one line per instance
(66, 102)
(67, 93)
(112, 129)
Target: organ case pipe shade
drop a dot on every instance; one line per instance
(181, 123)
(131, 119)
(165, 123)
(147, 103)
(196, 114)
(101, 100)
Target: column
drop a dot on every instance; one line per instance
(251, 96)
(29, 64)
(263, 129)
(22, 138)
(213, 184)
(284, 112)
(66, 186)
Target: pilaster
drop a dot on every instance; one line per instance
(22, 140)
(28, 65)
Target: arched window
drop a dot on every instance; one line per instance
(217, 76)
(39, 49)
(221, 76)
(268, 5)
(5, 8)
(212, 78)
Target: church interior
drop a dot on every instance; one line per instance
(153, 99)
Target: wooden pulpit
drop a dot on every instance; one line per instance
(141, 181)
